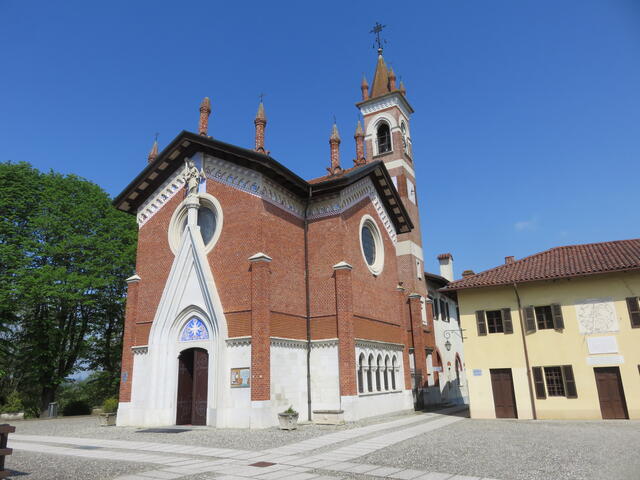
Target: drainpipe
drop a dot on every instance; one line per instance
(308, 302)
(526, 352)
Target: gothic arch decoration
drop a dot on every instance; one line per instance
(194, 329)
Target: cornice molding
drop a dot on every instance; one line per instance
(376, 344)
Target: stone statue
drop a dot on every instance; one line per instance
(191, 177)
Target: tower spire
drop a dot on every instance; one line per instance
(205, 111)
(260, 122)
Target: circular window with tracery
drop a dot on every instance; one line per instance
(209, 220)
(371, 244)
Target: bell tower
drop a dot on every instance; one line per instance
(387, 137)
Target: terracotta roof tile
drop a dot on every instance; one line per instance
(331, 177)
(559, 262)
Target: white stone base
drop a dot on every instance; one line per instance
(364, 406)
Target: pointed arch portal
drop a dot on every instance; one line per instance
(193, 373)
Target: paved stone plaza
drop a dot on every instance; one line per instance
(417, 446)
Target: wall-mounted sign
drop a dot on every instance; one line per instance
(240, 377)
(437, 369)
(477, 372)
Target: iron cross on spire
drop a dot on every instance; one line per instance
(377, 28)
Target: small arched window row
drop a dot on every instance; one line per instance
(378, 372)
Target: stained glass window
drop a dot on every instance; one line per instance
(195, 329)
(368, 245)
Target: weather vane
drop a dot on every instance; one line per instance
(377, 28)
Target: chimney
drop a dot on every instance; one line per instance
(508, 260)
(334, 143)
(467, 273)
(446, 266)
(205, 111)
(260, 122)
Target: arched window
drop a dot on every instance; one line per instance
(393, 373)
(386, 372)
(360, 368)
(369, 379)
(379, 367)
(403, 130)
(384, 138)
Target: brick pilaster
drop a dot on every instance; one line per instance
(419, 354)
(128, 340)
(260, 328)
(405, 323)
(346, 340)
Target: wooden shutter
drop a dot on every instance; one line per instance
(634, 311)
(569, 382)
(482, 323)
(507, 324)
(558, 321)
(529, 319)
(538, 381)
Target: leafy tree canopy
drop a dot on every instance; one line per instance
(65, 253)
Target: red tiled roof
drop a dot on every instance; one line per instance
(324, 178)
(559, 262)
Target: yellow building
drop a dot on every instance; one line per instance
(555, 335)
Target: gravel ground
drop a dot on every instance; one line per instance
(520, 449)
(37, 466)
(244, 439)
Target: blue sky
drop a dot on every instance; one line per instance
(527, 126)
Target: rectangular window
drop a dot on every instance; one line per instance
(555, 384)
(446, 308)
(544, 317)
(494, 321)
(442, 310)
(633, 305)
(436, 311)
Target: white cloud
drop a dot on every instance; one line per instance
(526, 225)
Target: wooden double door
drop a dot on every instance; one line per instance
(504, 397)
(193, 378)
(610, 392)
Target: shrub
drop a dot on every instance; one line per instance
(77, 407)
(110, 405)
(13, 405)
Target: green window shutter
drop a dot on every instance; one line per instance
(558, 321)
(569, 382)
(538, 381)
(634, 311)
(529, 319)
(482, 323)
(506, 320)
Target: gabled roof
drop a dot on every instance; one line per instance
(559, 262)
(187, 144)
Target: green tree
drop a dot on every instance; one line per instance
(67, 252)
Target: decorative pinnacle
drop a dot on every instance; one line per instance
(153, 154)
(391, 73)
(359, 131)
(260, 115)
(205, 106)
(403, 90)
(335, 136)
(364, 83)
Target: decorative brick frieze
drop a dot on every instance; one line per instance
(374, 344)
(162, 195)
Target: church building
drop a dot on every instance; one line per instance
(256, 290)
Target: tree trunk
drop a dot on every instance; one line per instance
(46, 397)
